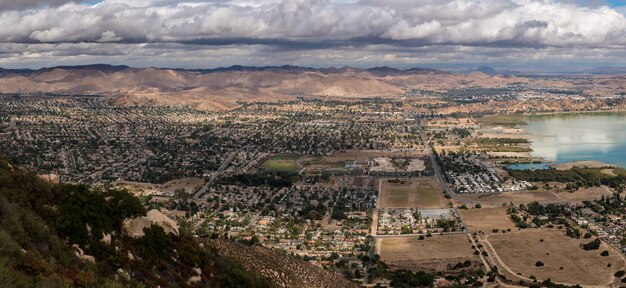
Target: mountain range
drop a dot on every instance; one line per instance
(225, 88)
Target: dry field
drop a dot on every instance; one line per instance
(546, 196)
(432, 253)
(585, 164)
(412, 193)
(188, 184)
(487, 219)
(140, 188)
(364, 155)
(565, 261)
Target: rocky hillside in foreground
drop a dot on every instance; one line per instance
(60, 235)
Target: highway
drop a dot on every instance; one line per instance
(217, 174)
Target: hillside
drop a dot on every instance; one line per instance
(281, 270)
(205, 89)
(228, 88)
(59, 235)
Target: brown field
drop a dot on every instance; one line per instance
(432, 253)
(364, 155)
(546, 196)
(412, 193)
(487, 219)
(521, 250)
(140, 188)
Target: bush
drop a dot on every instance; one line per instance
(593, 245)
(620, 274)
(604, 253)
(539, 264)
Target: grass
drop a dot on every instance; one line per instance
(487, 219)
(432, 253)
(281, 163)
(503, 120)
(565, 261)
(412, 193)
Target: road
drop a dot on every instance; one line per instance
(12, 123)
(438, 171)
(373, 230)
(217, 174)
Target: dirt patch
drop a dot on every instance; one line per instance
(412, 193)
(585, 164)
(487, 219)
(432, 253)
(542, 196)
(563, 258)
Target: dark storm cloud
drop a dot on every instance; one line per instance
(29, 4)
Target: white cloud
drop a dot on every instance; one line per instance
(467, 22)
(294, 28)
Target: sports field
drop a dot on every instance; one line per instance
(281, 163)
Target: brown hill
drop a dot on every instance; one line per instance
(220, 89)
(226, 88)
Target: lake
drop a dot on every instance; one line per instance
(563, 138)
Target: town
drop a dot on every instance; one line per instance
(350, 186)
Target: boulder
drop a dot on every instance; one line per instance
(134, 227)
(80, 254)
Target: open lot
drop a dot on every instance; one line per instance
(189, 185)
(432, 253)
(541, 196)
(281, 163)
(487, 219)
(423, 192)
(565, 261)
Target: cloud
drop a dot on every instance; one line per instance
(29, 4)
(465, 22)
(406, 29)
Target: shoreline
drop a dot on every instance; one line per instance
(522, 133)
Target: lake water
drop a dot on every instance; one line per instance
(574, 137)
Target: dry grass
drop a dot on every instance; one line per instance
(544, 197)
(521, 250)
(432, 253)
(412, 193)
(487, 219)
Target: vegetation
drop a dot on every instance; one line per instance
(577, 177)
(406, 278)
(503, 120)
(39, 223)
(593, 245)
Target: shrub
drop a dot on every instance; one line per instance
(593, 245)
(604, 253)
(539, 264)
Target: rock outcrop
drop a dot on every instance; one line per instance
(134, 227)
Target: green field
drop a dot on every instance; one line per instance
(503, 120)
(281, 163)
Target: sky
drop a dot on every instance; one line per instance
(519, 35)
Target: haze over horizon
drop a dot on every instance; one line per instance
(520, 35)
